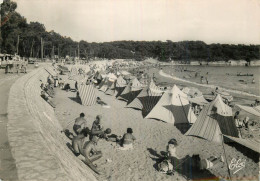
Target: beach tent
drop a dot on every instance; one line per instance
(173, 107)
(130, 92)
(114, 87)
(108, 82)
(87, 95)
(191, 91)
(252, 110)
(147, 98)
(120, 85)
(200, 100)
(214, 119)
(253, 144)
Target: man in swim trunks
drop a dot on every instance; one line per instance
(80, 123)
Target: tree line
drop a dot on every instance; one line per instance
(19, 36)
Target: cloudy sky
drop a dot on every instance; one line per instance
(212, 21)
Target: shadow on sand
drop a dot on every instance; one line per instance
(183, 166)
(77, 100)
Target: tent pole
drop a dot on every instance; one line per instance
(183, 109)
(225, 155)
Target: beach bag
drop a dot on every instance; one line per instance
(165, 167)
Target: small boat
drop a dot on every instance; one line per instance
(245, 74)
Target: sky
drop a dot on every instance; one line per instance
(211, 21)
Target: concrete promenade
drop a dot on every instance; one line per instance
(37, 145)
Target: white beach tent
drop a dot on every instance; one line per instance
(252, 110)
(173, 107)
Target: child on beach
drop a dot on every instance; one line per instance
(127, 140)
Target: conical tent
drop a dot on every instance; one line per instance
(120, 85)
(173, 107)
(103, 85)
(147, 98)
(214, 119)
(131, 91)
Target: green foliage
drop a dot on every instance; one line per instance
(30, 34)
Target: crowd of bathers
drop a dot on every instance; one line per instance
(84, 139)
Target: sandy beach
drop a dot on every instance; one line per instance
(152, 138)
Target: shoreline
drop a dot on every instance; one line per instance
(207, 85)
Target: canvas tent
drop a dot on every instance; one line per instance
(214, 119)
(147, 98)
(200, 100)
(249, 143)
(130, 92)
(87, 95)
(120, 85)
(252, 110)
(173, 107)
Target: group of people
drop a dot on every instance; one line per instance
(85, 141)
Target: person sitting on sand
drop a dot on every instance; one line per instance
(246, 122)
(97, 129)
(80, 123)
(46, 98)
(172, 161)
(127, 140)
(78, 140)
(82, 146)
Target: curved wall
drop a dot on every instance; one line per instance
(37, 145)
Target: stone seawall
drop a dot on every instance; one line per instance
(34, 133)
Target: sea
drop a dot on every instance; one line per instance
(219, 76)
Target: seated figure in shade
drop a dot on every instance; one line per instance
(172, 162)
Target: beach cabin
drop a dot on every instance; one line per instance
(194, 63)
(237, 62)
(255, 63)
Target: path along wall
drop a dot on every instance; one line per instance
(34, 133)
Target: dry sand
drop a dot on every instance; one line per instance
(152, 137)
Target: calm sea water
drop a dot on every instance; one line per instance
(225, 77)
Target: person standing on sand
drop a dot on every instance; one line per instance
(80, 123)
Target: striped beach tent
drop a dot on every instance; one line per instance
(173, 107)
(131, 90)
(147, 98)
(120, 85)
(87, 95)
(214, 119)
